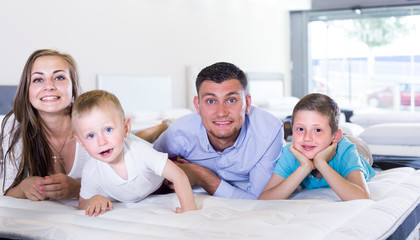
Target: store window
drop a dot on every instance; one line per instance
(368, 58)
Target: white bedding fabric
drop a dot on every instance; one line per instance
(393, 139)
(395, 150)
(144, 119)
(370, 117)
(406, 134)
(314, 214)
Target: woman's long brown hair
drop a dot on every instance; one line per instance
(28, 127)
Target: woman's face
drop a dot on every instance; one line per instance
(50, 88)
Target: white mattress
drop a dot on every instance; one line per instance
(393, 139)
(395, 150)
(370, 117)
(144, 119)
(314, 214)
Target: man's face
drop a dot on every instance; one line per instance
(222, 107)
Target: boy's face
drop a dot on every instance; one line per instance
(312, 133)
(101, 132)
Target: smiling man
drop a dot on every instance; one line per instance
(228, 147)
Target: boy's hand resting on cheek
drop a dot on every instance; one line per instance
(304, 161)
(325, 155)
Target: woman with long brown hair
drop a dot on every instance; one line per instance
(39, 156)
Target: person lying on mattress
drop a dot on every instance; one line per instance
(122, 167)
(39, 157)
(319, 155)
(228, 147)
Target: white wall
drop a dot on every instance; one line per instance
(147, 37)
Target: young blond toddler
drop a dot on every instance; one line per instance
(123, 167)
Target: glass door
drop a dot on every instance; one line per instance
(366, 58)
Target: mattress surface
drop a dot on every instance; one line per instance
(310, 214)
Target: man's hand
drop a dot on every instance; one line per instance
(59, 186)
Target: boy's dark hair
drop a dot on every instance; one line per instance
(220, 72)
(323, 104)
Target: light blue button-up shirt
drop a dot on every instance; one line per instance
(245, 167)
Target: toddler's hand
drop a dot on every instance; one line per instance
(181, 210)
(98, 205)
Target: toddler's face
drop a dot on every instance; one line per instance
(311, 132)
(101, 133)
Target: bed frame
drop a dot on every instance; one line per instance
(385, 162)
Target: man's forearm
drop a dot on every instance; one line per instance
(210, 182)
(201, 176)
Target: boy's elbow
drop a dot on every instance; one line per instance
(262, 196)
(362, 195)
(269, 195)
(365, 194)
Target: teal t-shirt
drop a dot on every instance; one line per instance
(345, 161)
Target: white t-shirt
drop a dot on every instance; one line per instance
(144, 167)
(80, 158)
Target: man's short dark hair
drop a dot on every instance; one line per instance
(220, 72)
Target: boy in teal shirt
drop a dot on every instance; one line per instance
(319, 156)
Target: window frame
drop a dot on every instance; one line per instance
(299, 39)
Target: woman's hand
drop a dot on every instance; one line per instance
(59, 186)
(28, 188)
